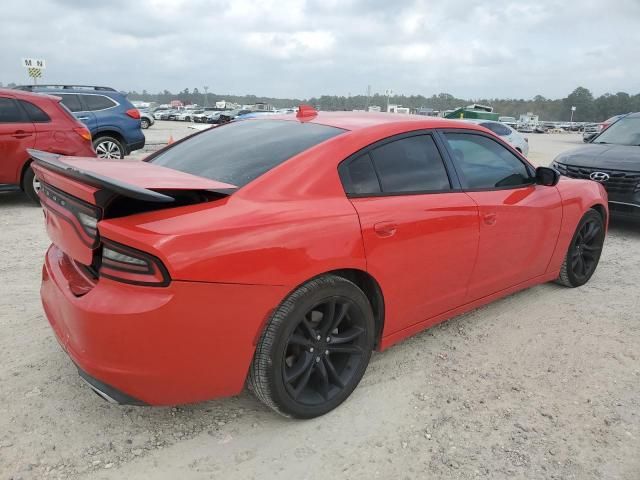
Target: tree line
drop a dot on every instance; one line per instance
(587, 107)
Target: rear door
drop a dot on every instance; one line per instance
(17, 134)
(420, 233)
(519, 220)
(80, 110)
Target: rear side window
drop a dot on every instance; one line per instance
(98, 102)
(359, 177)
(72, 102)
(35, 113)
(410, 164)
(238, 153)
(486, 164)
(10, 112)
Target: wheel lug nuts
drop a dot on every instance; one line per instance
(311, 349)
(318, 337)
(328, 339)
(326, 352)
(317, 359)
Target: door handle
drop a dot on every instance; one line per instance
(490, 218)
(83, 118)
(21, 134)
(385, 229)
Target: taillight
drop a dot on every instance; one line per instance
(129, 265)
(134, 113)
(83, 216)
(83, 132)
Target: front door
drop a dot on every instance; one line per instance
(519, 220)
(420, 237)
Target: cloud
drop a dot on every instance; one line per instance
(303, 48)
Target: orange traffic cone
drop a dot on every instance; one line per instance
(170, 140)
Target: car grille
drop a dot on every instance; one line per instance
(619, 181)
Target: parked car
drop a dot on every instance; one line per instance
(511, 136)
(112, 119)
(229, 115)
(146, 119)
(612, 159)
(590, 130)
(29, 120)
(281, 251)
(202, 117)
(213, 117)
(187, 115)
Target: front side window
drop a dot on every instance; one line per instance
(485, 163)
(238, 153)
(98, 102)
(35, 113)
(9, 111)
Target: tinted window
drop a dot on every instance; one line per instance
(410, 164)
(34, 113)
(497, 128)
(237, 153)
(98, 102)
(485, 163)
(359, 177)
(9, 111)
(625, 131)
(72, 102)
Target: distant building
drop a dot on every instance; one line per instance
(398, 109)
(375, 108)
(528, 119)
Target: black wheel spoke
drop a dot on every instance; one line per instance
(308, 328)
(591, 248)
(328, 316)
(304, 363)
(581, 266)
(350, 349)
(304, 380)
(338, 317)
(297, 339)
(324, 380)
(347, 336)
(331, 371)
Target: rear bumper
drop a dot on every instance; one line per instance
(188, 342)
(136, 145)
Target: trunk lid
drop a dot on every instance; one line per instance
(77, 192)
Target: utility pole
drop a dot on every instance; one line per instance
(388, 92)
(366, 107)
(206, 102)
(573, 109)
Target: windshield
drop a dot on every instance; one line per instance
(625, 131)
(238, 153)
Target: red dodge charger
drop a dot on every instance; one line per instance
(279, 252)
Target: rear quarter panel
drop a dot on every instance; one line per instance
(578, 196)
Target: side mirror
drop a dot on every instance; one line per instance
(546, 176)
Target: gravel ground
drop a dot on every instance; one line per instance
(543, 384)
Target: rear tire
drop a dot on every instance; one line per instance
(144, 124)
(315, 348)
(31, 185)
(584, 251)
(108, 147)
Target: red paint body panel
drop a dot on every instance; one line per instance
(153, 342)
(233, 260)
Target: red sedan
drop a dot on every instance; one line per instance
(279, 252)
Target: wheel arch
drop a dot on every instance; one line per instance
(602, 210)
(23, 171)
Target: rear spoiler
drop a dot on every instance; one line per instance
(53, 162)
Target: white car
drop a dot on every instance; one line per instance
(511, 136)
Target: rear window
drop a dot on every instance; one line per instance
(238, 153)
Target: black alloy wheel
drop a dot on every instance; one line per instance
(584, 251)
(315, 349)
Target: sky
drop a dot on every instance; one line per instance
(304, 48)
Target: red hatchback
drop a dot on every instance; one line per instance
(29, 120)
(280, 252)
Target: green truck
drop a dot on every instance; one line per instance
(482, 112)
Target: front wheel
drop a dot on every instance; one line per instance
(584, 251)
(315, 349)
(144, 123)
(108, 147)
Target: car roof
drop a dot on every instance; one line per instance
(361, 120)
(10, 92)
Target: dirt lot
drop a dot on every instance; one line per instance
(544, 384)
